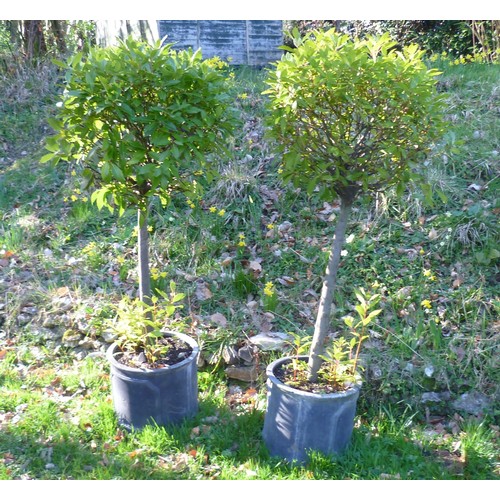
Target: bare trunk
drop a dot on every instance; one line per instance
(143, 257)
(322, 325)
(34, 40)
(58, 29)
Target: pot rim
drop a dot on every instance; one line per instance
(110, 355)
(299, 392)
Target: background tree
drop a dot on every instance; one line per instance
(455, 37)
(351, 117)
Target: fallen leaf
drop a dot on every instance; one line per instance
(134, 453)
(218, 319)
(286, 281)
(225, 262)
(62, 291)
(433, 234)
(255, 266)
(389, 476)
(202, 291)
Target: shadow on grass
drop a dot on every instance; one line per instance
(221, 442)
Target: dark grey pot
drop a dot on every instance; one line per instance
(163, 396)
(297, 422)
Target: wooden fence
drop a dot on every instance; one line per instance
(253, 43)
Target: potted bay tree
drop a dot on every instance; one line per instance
(351, 118)
(139, 121)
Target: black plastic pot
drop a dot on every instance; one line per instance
(163, 396)
(297, 421)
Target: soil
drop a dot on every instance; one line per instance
(177, 351)
(298, 380)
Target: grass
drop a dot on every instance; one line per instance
(63, 264)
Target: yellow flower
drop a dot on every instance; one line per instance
(213, 209)
(422, 251)
(426, 304)
(270, 226)
(150, 229)
(269, 289)
(73, 173)
(280, 170)
(241, 236)
(242, 243)
(85, 199)
(427, 272)
(221, 212)
(74, 198)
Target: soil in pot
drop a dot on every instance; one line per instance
(296, 377)
(175, 351)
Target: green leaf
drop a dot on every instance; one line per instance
(99, 198)
(117, 173)
(371, 316)
(48, 157)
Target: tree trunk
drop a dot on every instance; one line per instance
(34, 40)
(322, 325)
(143, 256)
(15, 32)
(58, 29)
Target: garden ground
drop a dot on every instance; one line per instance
(429, 404)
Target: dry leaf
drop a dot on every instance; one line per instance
(62, 291)
(202, 291)
(226, 261)
(286, 281)
(218, 319)
(433, 234)
(255, 266)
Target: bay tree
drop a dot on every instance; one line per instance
(351, 118)
(141, 121)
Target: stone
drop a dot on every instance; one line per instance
(71, 339)
(243, 373)
(271, 341)
(246, 353)
(430, 397)
(89, 344)
(23, 319)
(229, 355)
(472, 402)
(109, 336)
